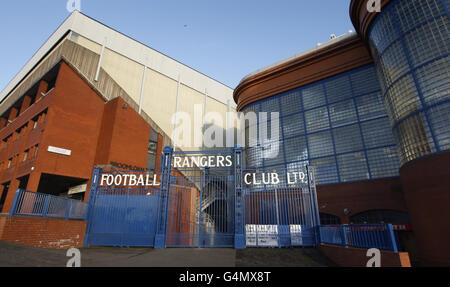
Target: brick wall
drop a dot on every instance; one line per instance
(43, 232)
(356, 257)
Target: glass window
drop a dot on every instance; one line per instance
(293, 125)
(296, 149)
(370, 106)
(342, 113)
(326, 170)
(414, 69)
(338, 89)
(440, 120)
(291, 102)
(415, 12)
(320, 144)
(273, 153)
(270, 105)
(307, 135)
(353, 167)
(347, 139)
(364, 81)
(434, 81)
(317, 119)
(377, 133)
(426, 41)
(313, 96)
(393, 63)
(383, 162)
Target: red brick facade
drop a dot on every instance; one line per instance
(43, 232)
(77, 119)
(360, 196)
(427, 192)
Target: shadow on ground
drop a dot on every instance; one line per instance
(281, 257)
(13, 255)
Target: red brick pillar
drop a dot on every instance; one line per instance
(33, 181)
(25, 104)
(10, 196)
(3, 122)
(12, 114)
(426, 184)
(43, 85)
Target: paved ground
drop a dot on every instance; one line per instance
(25, 256)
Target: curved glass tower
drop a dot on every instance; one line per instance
(410, 42)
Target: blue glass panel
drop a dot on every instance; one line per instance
(320, 144)
(347, 139)
(313, 96)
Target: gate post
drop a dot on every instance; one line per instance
(166, 163)
(94, 185)
(313, 202)
(239, 236)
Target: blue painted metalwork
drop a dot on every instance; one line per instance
(164, 197)
(203, 207)
(239, 237)
(34, 204)
(120, 216)
(280, 213)
(201, 203)
(331, 130)
(379, 236)
(93, 189)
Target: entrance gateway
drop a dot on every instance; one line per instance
(203, 199)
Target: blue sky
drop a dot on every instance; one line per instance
(225, 39)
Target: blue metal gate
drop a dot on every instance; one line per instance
(121, 216)
(206, 199)
(200, 200)
(281, 214)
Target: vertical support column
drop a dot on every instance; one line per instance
(3, 122)
(90, 208)
(142, 89)
(25, 104)
(239, 236)
(46, 205)
(43, 86)
(392, 236)
(313, 202)
(69, 206)
(166, 163)
(99, 65)
(344, 235)
(12, 114)
(33, 181)
(14, 204)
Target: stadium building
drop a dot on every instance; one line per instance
(369, 110)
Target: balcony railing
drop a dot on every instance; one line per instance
(34, 204)
(379, 236)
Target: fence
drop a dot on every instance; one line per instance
(379, 236)
(28, 203)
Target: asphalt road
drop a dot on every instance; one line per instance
(12, 255)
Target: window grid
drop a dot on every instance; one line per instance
(422, 29)
(315, 144)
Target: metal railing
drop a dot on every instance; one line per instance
(379, 236)
(34, 204)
